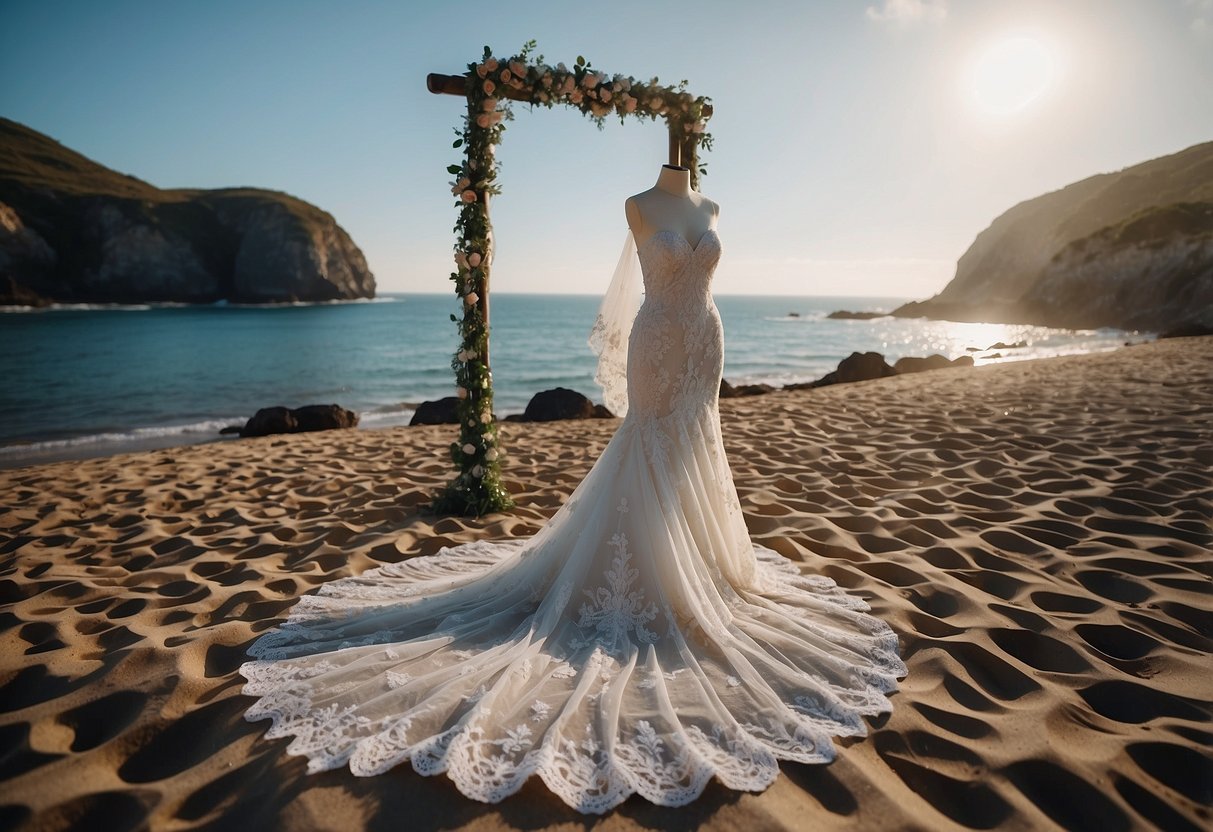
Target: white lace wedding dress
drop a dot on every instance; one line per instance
(640, 642)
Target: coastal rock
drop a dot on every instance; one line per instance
(1130, 250)
(438, 412)
(844, 315)
(74, 231)
(728, 391)
(558, 403)
(861, 367)
(911, 364)
(272, 420)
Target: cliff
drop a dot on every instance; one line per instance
(1132, 250)
(72, 230)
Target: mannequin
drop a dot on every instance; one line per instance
(671, 205)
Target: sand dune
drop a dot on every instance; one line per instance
(1038, 534)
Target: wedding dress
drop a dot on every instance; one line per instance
(639, 642)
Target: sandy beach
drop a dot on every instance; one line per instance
(1038, 534)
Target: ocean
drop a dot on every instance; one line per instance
(82, 382)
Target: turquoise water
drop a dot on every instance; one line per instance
(82, 382)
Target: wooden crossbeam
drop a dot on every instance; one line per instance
(440, 84)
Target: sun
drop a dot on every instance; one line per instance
(1010, 74)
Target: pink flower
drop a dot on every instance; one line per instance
(589, 81)
(483, 121)
(575, 96)
(474, 259)
(461, 261)
(488, 87)
(568, 86)
(604, 95)
(461, 392)
(482, 70)
(489, 104)
(468, 196)
(629, 104)
(518, 68)
(506, 75)
(491, 64)
(470, 299)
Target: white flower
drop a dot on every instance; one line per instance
(472, 422)
(474, 259)
(472, 354)
(470, 298)
(486, 417)
(469, 448)
(461, 392)
(463, 356)
(477, 471)
(491, 454)
(468, 196)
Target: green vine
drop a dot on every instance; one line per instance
(492, 83)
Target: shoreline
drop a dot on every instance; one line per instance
(157, 437)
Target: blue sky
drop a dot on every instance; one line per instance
(857, 151)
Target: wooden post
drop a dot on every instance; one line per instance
(484, 296)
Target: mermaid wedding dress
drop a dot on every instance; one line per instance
(639, 642)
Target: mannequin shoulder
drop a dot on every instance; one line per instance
(631, 210)
(712, 206)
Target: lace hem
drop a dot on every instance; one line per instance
(595, 723)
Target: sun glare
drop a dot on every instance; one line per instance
(1010, 74)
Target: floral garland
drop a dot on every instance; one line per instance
(478, 488)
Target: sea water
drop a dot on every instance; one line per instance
(81, 381)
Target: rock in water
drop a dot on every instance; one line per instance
(271, 420)
(862, 367)
(910, 364)
(72, 230)
(439, 412)
(559, 403)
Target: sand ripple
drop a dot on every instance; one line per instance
(1039, 534)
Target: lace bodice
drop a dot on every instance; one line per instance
(640, 642)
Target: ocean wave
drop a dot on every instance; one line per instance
(219, 304)
(134, 436)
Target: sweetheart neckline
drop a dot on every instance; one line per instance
(693, 248)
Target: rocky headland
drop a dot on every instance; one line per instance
(1130, 250)
(74, 231)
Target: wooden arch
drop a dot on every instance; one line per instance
(488, 86)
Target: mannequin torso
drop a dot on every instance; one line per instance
(671, 205)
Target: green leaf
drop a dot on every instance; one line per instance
(455, 169)
(580, 61)
(457, 143)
